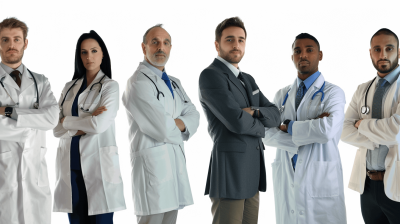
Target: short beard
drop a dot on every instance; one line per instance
(15, 61)
(393, 65)
(153, 61)
(228, 58)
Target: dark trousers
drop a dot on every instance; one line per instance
(80, 204)
(376, 207)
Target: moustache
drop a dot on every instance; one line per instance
(235, 50)
(304, 60)
(383, 60)
(160, 52)
(12, 50)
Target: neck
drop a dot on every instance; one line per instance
(304, 76)
(13, 66)
(382, 75)
(91, 75)
(161, 68)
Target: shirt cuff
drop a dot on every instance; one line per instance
(289, 129)
(14, 115)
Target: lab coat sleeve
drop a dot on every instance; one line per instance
(59, 131)
(274, 137)
(100, 123)
(44, 118)
(189, 115)
(140, 101)
(10, 131)
(215, 94)
(351, 135)
(383, 131)
(322, 130)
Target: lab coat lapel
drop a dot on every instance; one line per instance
(289, 112)
(7, 79)
(370, 99)
(27, 81)
(310, 92)
(99, 75)
(389, 99)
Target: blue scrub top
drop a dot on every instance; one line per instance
(75, 154)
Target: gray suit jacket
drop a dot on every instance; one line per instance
(237, 168)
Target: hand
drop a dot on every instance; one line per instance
(80, 133)
(283, 127)
(179, 123)
(248, 110)
(324, 114)
(357, 124)
(2, 110)
(99, 110)
(62, 120)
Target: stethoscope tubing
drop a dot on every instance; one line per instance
(174, 84)
(36, 104)
(366, 111)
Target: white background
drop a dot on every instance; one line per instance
(343, 28)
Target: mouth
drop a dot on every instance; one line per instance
(304, 63)
(12, 51)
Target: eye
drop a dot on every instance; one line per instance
(310, 50)
(229, 40)
(83, 52)
(389, 49)
(297, 51)
(94, 51)
(154, 42)
(4, 40)
(166, 43)
(377, 49)
(17, 40)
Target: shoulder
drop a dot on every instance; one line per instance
(283, 91)
(38, 77)
(111, 83)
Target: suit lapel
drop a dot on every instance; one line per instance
(249, 89)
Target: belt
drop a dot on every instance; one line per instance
(375, 175)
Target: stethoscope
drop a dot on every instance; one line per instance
(173, 85)
(82, 109)
(365, 108)
(321, 90)
(36, 104)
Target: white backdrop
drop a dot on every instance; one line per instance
(343, 28)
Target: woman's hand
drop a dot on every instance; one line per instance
(99, 110)
(62, 120)
(80, 133)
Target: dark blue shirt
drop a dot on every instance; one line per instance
(75, 153)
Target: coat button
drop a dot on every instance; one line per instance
(301, 212)
(258, 147)
(292, 211)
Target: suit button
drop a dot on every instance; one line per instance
(258, 133)
(258, 147)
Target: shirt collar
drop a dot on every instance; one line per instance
(8, 70)
(309, 81)
(234, 70)
(392, 76)
(153, 69)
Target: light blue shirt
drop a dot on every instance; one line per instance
(307, 83)
(376, 158)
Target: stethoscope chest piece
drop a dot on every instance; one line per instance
(36, 105)
(364, 109)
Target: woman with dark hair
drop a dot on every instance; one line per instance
(88, 180)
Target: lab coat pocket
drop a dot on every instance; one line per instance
(323, 179)
(315, 111)
(8, 171)
(158, 165)
(277, 178)
(43, 179)
(110, 164)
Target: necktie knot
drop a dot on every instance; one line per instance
(15, 75)
(164, 76)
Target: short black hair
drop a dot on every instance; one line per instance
(306, 36)
(148, 30)
(80, 69)
(385, 31)
(233, 21)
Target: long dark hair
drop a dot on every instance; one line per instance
(105, 66)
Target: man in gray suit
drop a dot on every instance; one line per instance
(237, 113)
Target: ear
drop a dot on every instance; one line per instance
(370, 52)
(26, 44)
(144, 49)
(320, 55)
(398, 52)
(292, 57)
(217, 46)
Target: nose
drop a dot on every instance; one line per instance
(383, 54)
(303, 55)
(236, 44)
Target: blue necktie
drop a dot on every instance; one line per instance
(168, 82)
(299, 97)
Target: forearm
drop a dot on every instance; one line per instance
(381, 131)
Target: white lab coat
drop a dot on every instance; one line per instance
(159, 177)
(314, 193)
(25, 195)
(374, 132)
(98, 148)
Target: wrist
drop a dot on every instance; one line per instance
(2, 110)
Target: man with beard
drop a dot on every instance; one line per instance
(237, 112)
(27, 109)
(372, 124)
(161, 116)
(307, 171)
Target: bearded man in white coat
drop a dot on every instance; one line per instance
(372, 124)
(307, 172)
(161, 116)
(28, 108)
